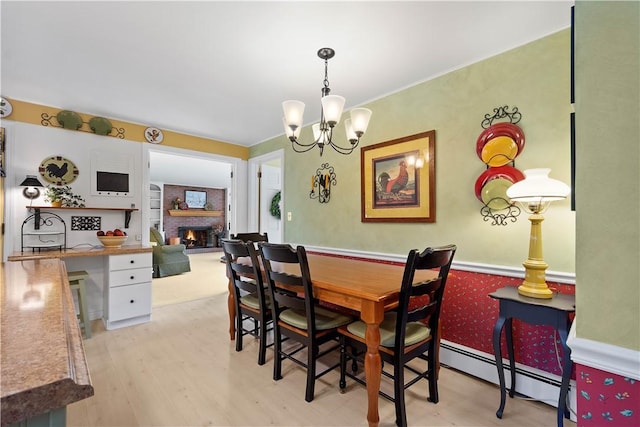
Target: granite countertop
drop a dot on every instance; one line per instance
(43, 364)
(81, 252)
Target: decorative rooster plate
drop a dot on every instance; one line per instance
(58, 171)
(153, 135)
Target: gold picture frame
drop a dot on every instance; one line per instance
(398, 180)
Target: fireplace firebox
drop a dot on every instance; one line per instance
(197, 237)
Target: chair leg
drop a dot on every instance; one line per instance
(263, 342)
(433, 378)
(277, 350)
(238, 329)
(343, 363)
(398, 394)
(354, 360)
(312, 353)
(82, 306)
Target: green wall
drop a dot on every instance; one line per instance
(534, 77)
(607, 172)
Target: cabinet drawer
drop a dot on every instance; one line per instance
(121, 262)
(130, 276)
(131, 301)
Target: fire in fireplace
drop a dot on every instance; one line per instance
(197, 237)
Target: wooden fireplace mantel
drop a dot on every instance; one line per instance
(193, 212)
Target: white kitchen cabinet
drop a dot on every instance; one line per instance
(127, 290)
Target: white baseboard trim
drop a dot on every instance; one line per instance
(605, 357)
(474, 267)
(530, 382)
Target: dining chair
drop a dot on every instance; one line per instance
(411, 331)
(296, 313)
(254, 237)
(250, 294)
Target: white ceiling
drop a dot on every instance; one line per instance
(221, 69)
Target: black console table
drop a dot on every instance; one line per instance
(552, 312)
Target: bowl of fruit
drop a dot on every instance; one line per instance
(112, 238)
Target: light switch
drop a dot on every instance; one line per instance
(288, 216)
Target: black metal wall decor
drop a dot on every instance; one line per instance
(498, 145)
(84, 223)
(71, 120)
(499, 113)
(321, 183)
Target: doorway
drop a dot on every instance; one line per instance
(169, 166)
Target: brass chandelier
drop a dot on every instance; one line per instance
(332, 106)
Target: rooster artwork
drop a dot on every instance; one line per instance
(58, 170)
(396, 183)
(54, 170)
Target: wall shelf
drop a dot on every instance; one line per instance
(190, 212)
(127, 211)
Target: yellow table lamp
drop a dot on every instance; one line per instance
(535, 193)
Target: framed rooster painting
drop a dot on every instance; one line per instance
(398, 179)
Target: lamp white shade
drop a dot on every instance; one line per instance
(293, 112)
(360, 120)
(290, 133)
(537, 187)
(332, 106)
(351, 134)
(318, 135)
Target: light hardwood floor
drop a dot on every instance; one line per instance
(181, 369)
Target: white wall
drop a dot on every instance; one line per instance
(28, 145)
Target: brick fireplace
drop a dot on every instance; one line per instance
(197, 237)
(204, 241)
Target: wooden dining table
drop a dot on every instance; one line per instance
(371, 288)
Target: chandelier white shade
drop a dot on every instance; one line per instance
(332, 107)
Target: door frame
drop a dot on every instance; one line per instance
(253, 208)
(234, 197)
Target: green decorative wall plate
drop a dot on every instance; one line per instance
(100, 125)
(69, 120)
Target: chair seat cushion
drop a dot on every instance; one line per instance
(251, 300)
(416, 331)
(325, 319)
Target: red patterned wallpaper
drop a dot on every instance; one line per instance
(606, 399)
(469, 315)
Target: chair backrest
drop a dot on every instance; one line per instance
(155, 236)
(251, 237)
(246, 277)
(427, 295)
(289, 290)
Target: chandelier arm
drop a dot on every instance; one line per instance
(296, 141)
(307, 147)
(343, 150)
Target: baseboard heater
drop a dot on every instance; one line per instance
(530, 382)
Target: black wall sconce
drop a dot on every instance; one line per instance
(321, 183)
(31, 185)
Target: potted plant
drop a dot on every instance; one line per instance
(63, 197)
(177, 202)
